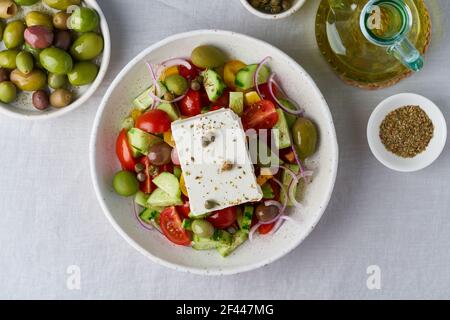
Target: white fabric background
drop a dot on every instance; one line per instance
(50, 219)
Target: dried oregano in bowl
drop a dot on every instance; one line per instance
(406, 131)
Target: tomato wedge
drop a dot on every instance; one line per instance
(260, 115)
(191, 104)
(147, 185)
(123, 152)
(188, 73)
(170, 223)
(185, 209)
(154, 121)
(266, 228)
(224, 99)
(224, 218)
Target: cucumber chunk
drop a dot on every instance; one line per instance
(141, 141)
(160, 198)
(281, 132)
(213, 83)
(237, 102)
(170, 109)
(238, 238)
(141, 198)
(244, 77)
(144, 101)
(169, 184)
(247, 217)
(150, 214)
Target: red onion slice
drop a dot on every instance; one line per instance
(253, 230)
(174, 156)
(257, 71)
(298, 112)
(173, 62)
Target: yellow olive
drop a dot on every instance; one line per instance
(61, 4)
(33, 81)
(304, 134)
(36, 18)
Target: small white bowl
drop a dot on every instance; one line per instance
(22, 108)
(423, 159)
(296, 5)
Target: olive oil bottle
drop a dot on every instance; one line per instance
(373, 43)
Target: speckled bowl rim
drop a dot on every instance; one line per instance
(268, 16)
(8, 111)
(134, 244)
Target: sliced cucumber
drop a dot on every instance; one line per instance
(141, 141)
(150, 214)
(160, 198)
(213, 83)
(247, 217)
(222, 237)
(237, 102)
(170, 109)
(286, 180)
(199, 243)
(144, 101)
(281, 132)
(290, 118)
(238, 238)
(169, 183)
(244, 77)
(267, 191)
(187, 224)
(141, 198)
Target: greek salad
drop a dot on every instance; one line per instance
(188, 158)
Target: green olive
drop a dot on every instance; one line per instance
(84, 20)
(8, 92)
(57, 81)
(36, 18)
(60, 20)
(55, 60)
(8, 59)
(83, 73)
(202, 228)
(61, 98)
(208, 57)
(25, 62)
(125, 183)
(304, 133)
(34, 51)
(61, 4)
(13, 35)
(25, 2)
(33, 81)
(176, 84)
(87, 46)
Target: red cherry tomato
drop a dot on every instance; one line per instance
(224, 99)
(123, 152)
(146, 186)
(154, 121)
(170, 224)
(204, 99)
(185, 209)
(215, 108)
(265, 93)
(188, 73)
(260, 115)
(224, 218)
(191, 104)
(266, 228)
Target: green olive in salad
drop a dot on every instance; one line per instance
(49, 50)
(198, 100)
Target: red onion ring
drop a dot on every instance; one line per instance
(175, 62)
(257, 71)
(253, 230)
(298, 112)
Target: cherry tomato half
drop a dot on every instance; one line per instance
(154, 121)
(260, 115)
(224, 99)
(185, 209)
(191, 104)
(265, 93)
(170, 223)
(188, 73)
(123, 152)
(224, 218)
(266, 228)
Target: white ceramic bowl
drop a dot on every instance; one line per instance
(22, 108)
(423, 159)
(296, 5)
(134, 78)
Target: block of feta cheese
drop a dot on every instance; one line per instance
(216, 165)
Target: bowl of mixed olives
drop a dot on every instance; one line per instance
(53, 55)
(273, 9)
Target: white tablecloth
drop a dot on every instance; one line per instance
(50, 218)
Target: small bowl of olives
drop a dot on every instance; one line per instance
(273, 9)
(53, 55)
